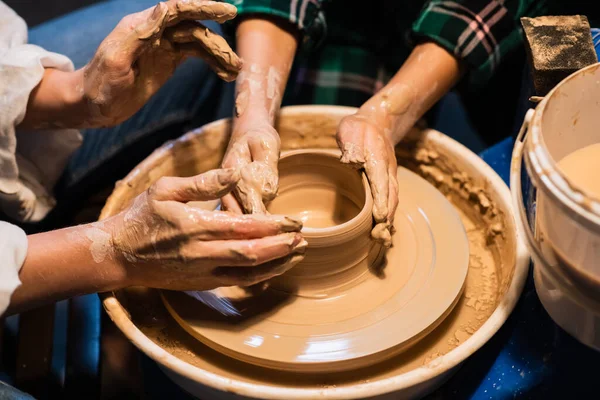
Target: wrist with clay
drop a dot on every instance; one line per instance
(69, 262)
(59, 101)
(427, 75)
(394, 110)
(122, 270)
(258, 95)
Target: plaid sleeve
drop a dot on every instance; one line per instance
(480, 32)
(307, 15)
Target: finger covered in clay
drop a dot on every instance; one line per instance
(210, 185)
(178, 18)
(221, 225)
(246, 253)
(350, 138)
(230, 203)
(377, 167)
(231, 276)
(202, 10)
(258, 184)
(197, 40)
(382, 232)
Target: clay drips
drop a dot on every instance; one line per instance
(101, 244)
(259, 88)
(440, 172)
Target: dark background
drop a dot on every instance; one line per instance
(37, 11)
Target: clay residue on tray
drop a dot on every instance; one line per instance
(472, 198)
(491, 249)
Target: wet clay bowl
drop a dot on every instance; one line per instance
(497, 270)
(334, 203)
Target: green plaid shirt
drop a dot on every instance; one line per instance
(351, 48)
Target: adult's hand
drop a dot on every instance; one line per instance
(165, 243)
(160, 241)
(142, 52)
(131, 64)
(364, 144)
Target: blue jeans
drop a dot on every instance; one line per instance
(191, 98)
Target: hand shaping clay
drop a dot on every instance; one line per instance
(324, 314)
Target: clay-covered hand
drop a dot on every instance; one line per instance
(142, 52)
(165, 243)
(364, 144)
(255, 153)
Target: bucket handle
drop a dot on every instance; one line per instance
(515, 186)
(523, 228)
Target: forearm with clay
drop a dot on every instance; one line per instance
(367, 138)
(131, 64)
(267, 48)
(426, 76)
(57, 102)
(66, 263)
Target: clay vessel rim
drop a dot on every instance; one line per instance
(351, 224)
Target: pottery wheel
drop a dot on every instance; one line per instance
(390, 310)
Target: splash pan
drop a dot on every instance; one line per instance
(497, 270)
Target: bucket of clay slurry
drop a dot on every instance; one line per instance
(557, 203)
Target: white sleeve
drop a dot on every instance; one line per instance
(13, 249)
(26, 189)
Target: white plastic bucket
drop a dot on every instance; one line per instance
(562, 223)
